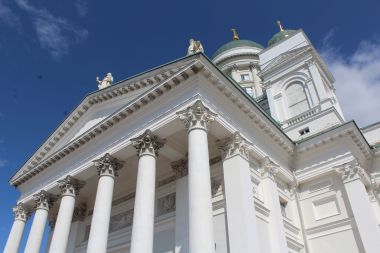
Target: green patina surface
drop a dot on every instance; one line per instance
(280, 36)
(235, 44)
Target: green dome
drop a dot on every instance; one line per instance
(280, 36)
(235, 44)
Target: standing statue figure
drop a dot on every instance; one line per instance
(195, 46)
(107, 81)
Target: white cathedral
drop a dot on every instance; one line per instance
(245, 152)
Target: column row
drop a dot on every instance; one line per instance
(200, 236)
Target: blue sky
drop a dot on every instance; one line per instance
(51, 52)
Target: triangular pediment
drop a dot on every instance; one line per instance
(98, 106)
(97, 119)
(285, 57)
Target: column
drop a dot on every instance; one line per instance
(43, 203)
(147, 146)
(272, 200)
(107, 168)
(364, 217)
(180, 168)
(77, 224)
(69, 189)
(240, 205)
(21, 214)
(52, 220)
(257, 81)
(201, 230)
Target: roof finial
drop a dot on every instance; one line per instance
(280, 26)
(236, 36)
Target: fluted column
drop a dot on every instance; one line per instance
(272, 199)
(240, 205)
(201, 232)
(69, 189)
(43, 203)
(147, 146)
(107, 167)
(21, 214)
(180, 168)
(364, 217)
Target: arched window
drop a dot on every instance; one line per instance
(297, 100)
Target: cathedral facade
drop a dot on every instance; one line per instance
(247, 151)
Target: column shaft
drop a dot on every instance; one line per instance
(36, 233)
(364, 215)
(143, 218)
(14, 239)
(240, 206)
(182, 216)
(62, 226)
(201, 232)
(97, 242)
(277, 229)
(107, 167)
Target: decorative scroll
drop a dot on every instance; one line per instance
(197, 116)
(108, 165)
(148, 143)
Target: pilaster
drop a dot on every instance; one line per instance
(240, 206)
(276, 225)
(352, 175)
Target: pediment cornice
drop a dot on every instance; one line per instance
(162, 78)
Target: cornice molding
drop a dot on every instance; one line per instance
(253, 112)
(351, 132)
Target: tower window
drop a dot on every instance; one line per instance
(297, 100)
(249, 91)
(244, 77)
(304, 131)
(283, 207)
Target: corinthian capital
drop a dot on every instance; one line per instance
(21, 212)
(148, 143)
(350, 171)
(269, 168)
(197, 116)
(108, 165)
(180, 168)
(43, 200)
(70, 186)
(234, 145)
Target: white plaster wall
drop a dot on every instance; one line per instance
(342, 242)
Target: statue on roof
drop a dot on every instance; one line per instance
(195, 46)
(107, 81)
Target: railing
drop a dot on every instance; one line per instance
(301, 117)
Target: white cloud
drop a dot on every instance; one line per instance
(55, 34)
(357, 80)
(8, 17)
(3, 163)
(81, 6)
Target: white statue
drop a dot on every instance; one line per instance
(195, 46)
(107, 81)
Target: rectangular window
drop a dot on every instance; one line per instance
(283, 207)
(304, 131)
(244, 77)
